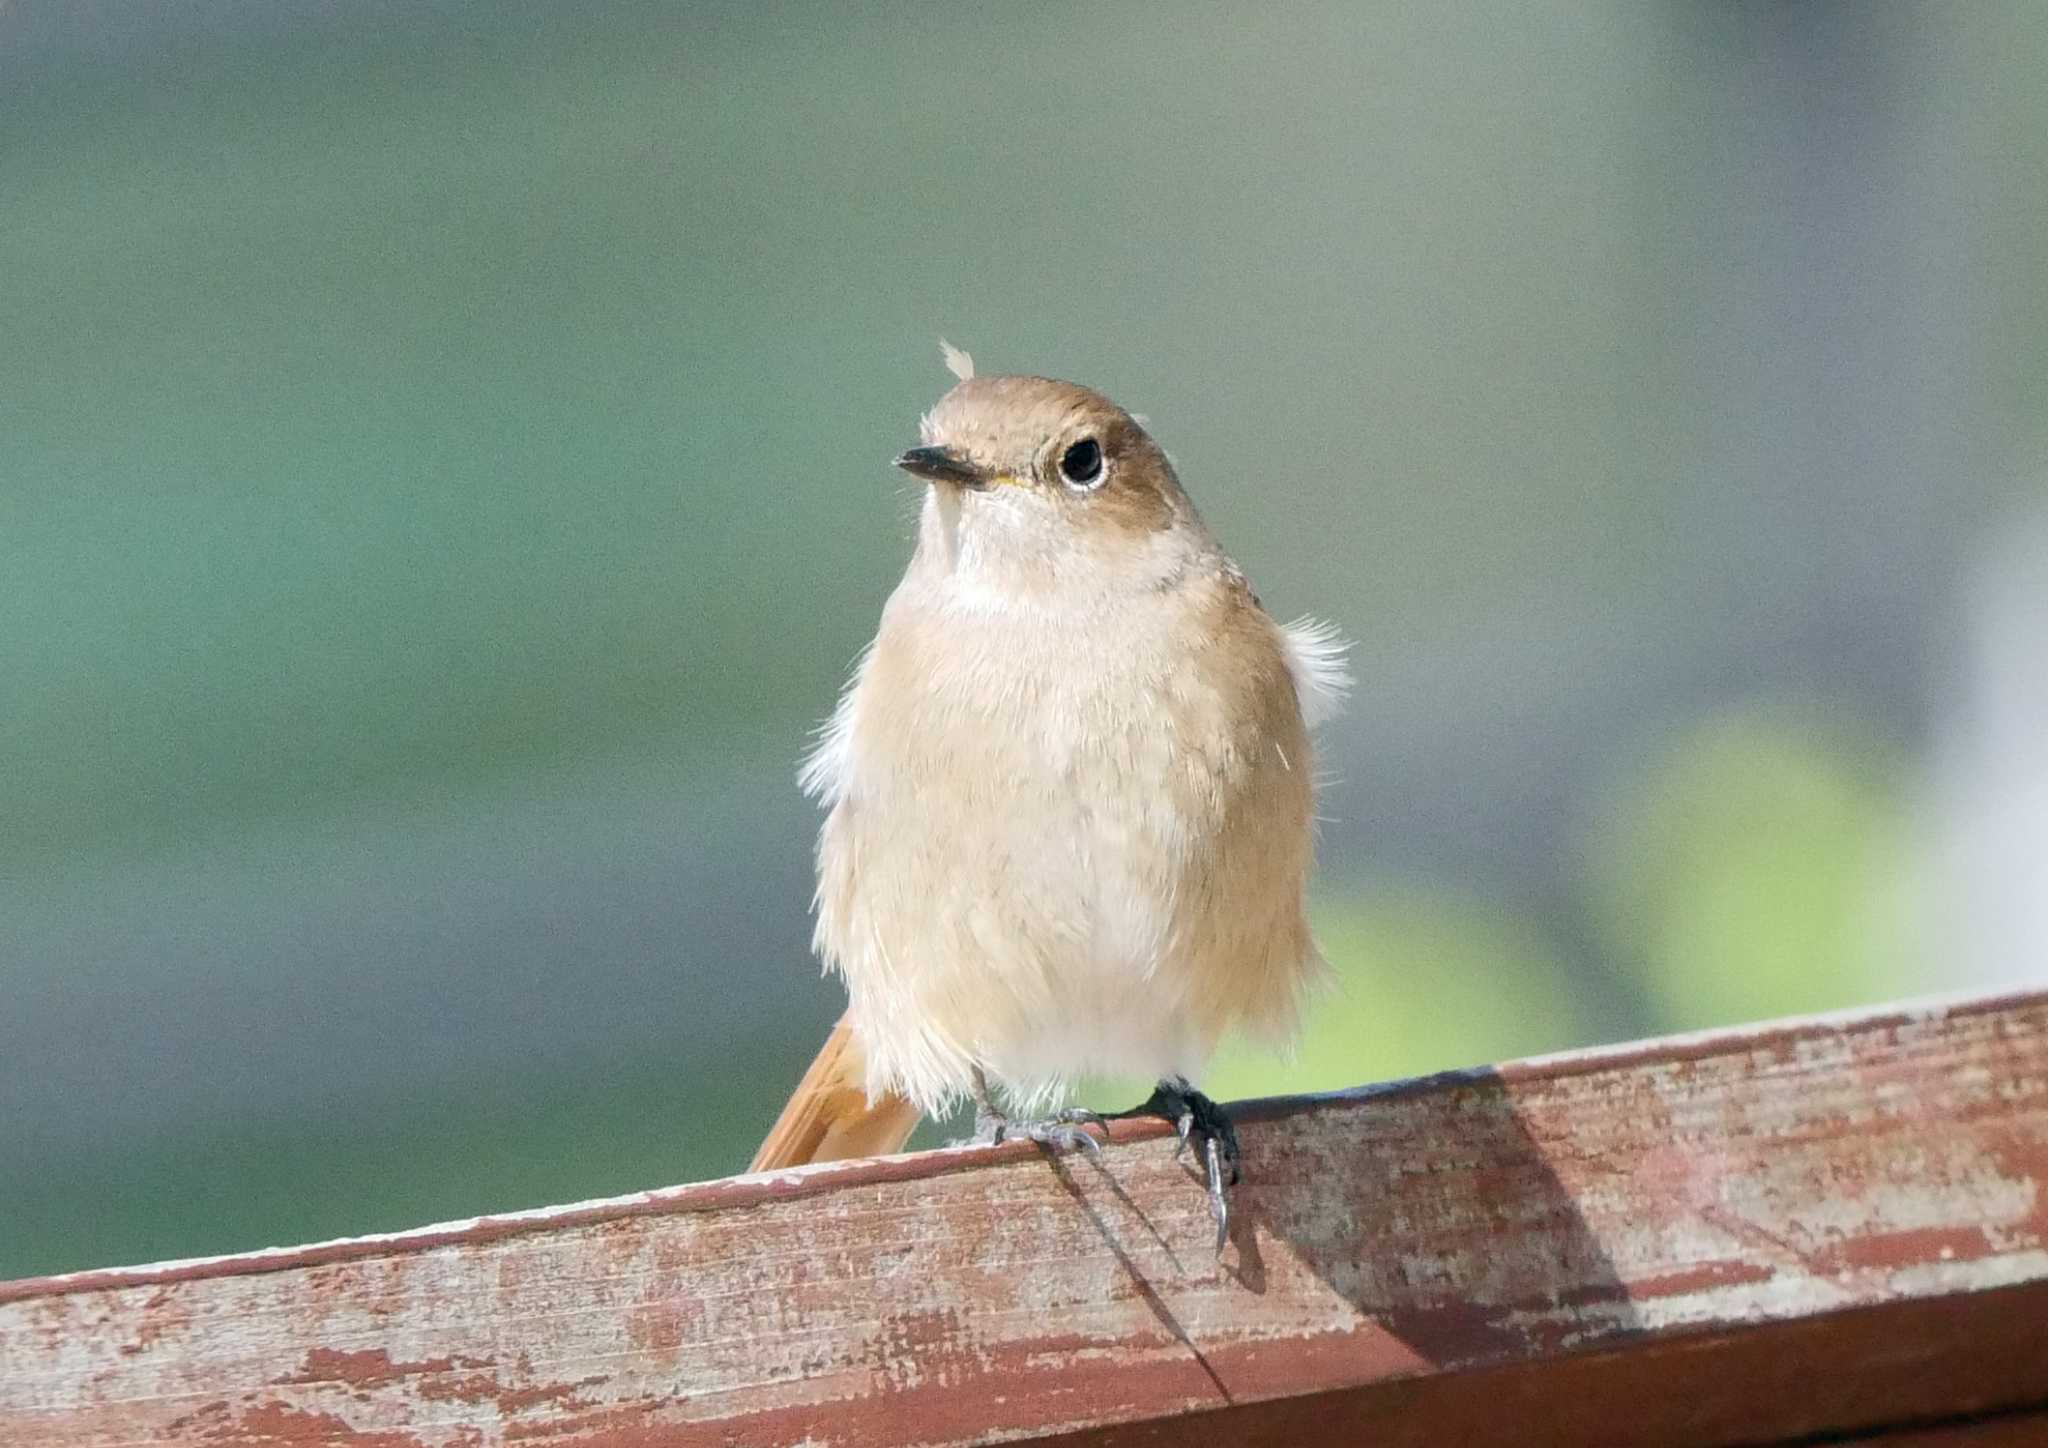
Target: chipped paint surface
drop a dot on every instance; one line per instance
(1480, 1220)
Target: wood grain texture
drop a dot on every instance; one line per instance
(2005, 1430)
(1834, 1226)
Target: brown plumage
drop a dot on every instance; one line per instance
(1071, 786)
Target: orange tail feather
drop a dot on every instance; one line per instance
(829, 1118)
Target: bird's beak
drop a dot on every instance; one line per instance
(942, 465)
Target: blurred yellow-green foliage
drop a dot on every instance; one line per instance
(445, 479)
(1753, 869)
(1415, 971)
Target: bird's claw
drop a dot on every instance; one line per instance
(1201, 1124)
(1062, 1131)
(1219, 1203)
(1062, 1136)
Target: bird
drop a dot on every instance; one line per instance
(1069, 796)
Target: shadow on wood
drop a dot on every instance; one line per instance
(1831, 1226)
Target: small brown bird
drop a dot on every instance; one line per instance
(1070, 789)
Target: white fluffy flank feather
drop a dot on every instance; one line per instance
(1315, 656)
(828, 762)
(957, 362)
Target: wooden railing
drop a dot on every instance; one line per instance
(1825, 1229)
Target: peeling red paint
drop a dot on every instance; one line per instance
(634, 1426)
(1660, 1206)
(2022, 1155)
(370, 1368)
(1888, 1251)
(658, 1327)
(1700, 1278)
(206, 1414)
(158, 1317)
(483, 1388)
(275, 1424)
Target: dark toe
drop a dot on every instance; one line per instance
(1198, 1119)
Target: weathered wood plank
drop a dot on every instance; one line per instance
(2017, 1430)
(1822, 1226)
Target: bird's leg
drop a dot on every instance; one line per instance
(988, 1121)
(1063, 1130)
(1202, 1125)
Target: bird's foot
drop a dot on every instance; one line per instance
(1205, 1128)
(1062, 1131)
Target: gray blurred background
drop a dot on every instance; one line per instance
(443, 478)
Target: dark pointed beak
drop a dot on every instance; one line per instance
(942, 465)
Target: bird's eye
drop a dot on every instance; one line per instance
(1081, 464)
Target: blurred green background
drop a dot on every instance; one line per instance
(443, 478)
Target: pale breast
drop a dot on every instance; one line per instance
(1060, 849)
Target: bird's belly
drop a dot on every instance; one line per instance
(1030, 871)
(1035, 926)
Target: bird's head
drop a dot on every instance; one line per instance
(1039, 481)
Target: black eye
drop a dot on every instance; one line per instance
(1081, 464)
